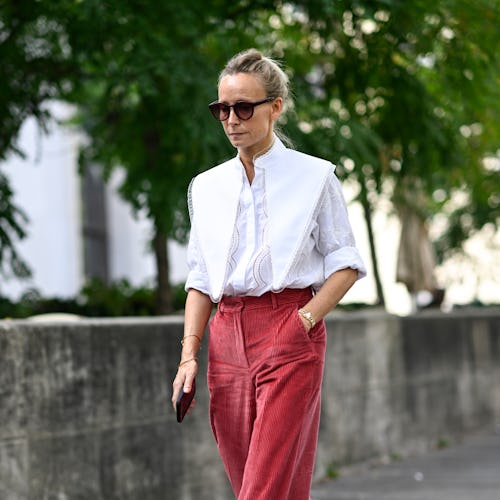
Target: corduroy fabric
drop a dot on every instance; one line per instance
(264, 377)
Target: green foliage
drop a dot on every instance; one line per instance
(442, 443)
(95, 299)
(333, 472)
(117, 299)
(33, 68)
(36, 63)
(143, 102)
(402, 96)
(12, 219)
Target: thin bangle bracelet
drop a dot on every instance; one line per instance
(187, 361)
(187, 336)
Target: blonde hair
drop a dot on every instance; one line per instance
(274, 80)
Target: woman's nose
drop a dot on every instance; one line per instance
(233, 117)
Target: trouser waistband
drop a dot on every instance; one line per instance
(268, 299)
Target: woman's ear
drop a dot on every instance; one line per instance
(276, 107)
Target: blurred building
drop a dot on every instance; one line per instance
(78, 227)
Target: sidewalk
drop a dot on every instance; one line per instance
(467, 471)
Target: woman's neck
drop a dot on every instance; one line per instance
(248, 159)
(249, 168)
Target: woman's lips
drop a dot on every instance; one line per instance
(235, 134)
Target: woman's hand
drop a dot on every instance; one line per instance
(307, 324)
(196, 315)
(186, 374)
(333, 289)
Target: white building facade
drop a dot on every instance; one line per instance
(77, 227)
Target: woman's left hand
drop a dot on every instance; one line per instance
(184, 379)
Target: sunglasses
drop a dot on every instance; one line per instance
(243, 109)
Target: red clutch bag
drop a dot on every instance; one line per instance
(184, 401)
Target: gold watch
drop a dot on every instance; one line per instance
(308, 316)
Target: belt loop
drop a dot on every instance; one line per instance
(274, 300)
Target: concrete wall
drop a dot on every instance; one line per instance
(85, 411)
(396, 386)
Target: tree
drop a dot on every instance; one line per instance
(402, 96)
(398, 94)
(34, 67)
(148, 71)
(12, 219)
(142, 96)
(141, 74)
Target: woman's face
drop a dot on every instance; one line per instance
(256, 134)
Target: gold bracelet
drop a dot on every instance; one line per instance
(186, 336)
(187, 361)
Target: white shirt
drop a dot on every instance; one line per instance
(328, 245)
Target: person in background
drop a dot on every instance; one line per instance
(271, 244)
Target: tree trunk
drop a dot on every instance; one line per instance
(164, 300)
(367, 209)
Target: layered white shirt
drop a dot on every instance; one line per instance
(288, 229)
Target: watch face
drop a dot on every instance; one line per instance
(307, 315)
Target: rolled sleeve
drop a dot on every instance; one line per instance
(197, 276)
(197, 281)
(335, 238)
(343, 258)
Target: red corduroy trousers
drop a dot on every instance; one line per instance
(264, 377)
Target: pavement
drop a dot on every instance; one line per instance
(466, 471)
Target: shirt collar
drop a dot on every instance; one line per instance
(270, 156)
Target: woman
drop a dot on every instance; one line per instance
(272, 245)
